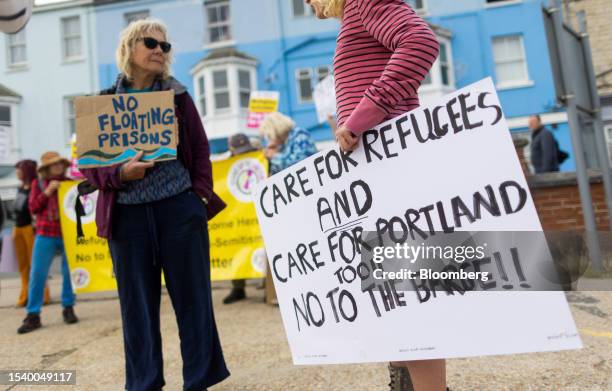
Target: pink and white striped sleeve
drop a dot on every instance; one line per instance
(415, 48)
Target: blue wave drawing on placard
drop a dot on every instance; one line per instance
(160, 153)
(163, 152)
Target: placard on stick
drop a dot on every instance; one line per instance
(261, 103)
(324, 96)
(111, 129)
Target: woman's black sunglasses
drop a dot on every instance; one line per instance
(151, 43)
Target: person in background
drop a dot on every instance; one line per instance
(23, 231)
(44, 204)
(287, 143)
(384, 51)
(154, 216)
(544, 147)
(238, 144)
(256, 143)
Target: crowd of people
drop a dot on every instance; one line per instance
(154, 215)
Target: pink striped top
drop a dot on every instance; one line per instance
(383, 52)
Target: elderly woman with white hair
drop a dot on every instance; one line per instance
(287, 143)
(154, 216)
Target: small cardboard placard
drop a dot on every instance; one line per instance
(112, 129)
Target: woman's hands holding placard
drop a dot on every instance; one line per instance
(346, 139)
(135, 169)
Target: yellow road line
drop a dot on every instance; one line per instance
(594, 333)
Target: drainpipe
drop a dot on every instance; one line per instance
(93, 72)
(285, 69)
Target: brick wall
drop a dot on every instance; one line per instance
(559, 206)
(557, 198)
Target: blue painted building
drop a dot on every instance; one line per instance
(226, 48)
(505, 39)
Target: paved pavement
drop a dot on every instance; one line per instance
(258, 355)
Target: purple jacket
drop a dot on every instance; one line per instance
(193, 152)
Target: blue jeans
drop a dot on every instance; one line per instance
(45, 249)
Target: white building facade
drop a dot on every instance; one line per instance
(42, 68)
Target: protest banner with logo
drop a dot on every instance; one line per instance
(324, 96)
(236, 245)
(441, 168)
(235, 240)
(91, 267)
(261, 103)
(112, 129)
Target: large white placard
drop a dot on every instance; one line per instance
(312, 214)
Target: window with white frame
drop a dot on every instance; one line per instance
(510, 60)
(417, 5)
(5, 115)
(244, 87)
(223, 86)
(307, 78)
(16, 48)
(71, 38)
(70, 116)
(441, 72)
(445, 68)
(202, 94)
(130, 17)
(219, 24)
(300, 8)
(221, 95)
(304, 85)
(608, 133)
(323, 72)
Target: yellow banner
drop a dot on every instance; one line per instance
(236, 246)
(89, 259)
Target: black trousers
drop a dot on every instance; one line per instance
(169, 235)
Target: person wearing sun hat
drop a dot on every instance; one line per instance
(44, 204)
